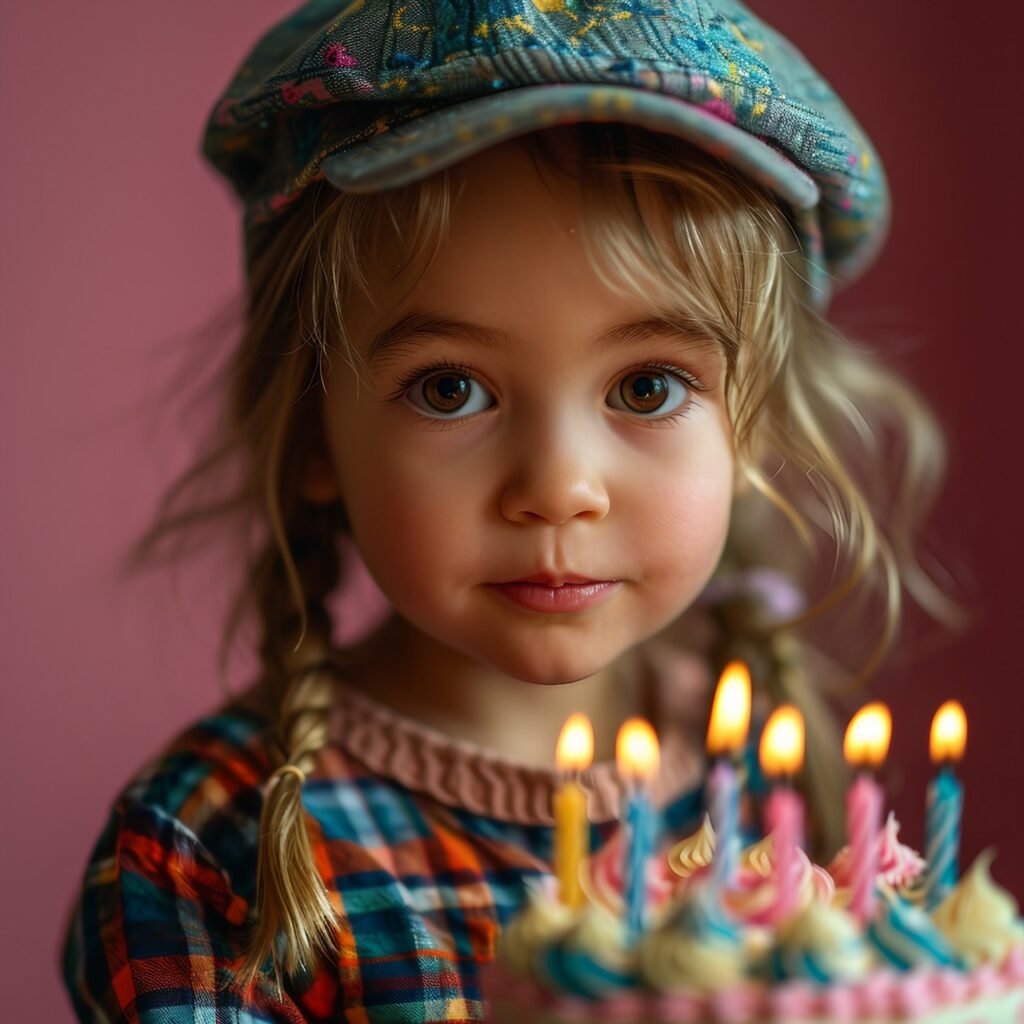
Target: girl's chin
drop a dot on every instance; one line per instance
(556, 670)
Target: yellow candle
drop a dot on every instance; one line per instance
(572, 829)
(570, 841)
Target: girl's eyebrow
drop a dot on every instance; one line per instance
(402, 332)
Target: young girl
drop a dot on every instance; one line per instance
(535, 331)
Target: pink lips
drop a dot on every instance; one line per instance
(573, 594)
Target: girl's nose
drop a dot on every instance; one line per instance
(554, 482)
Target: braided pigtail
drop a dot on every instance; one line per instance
(289, 582)
(295, 919)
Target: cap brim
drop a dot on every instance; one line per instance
(440, 138)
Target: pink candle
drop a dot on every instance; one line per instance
(784, 819)
(782, 755)
(864, 818)
(865, 746)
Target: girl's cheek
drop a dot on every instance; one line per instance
(685, 525)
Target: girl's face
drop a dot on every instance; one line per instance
(514, 426)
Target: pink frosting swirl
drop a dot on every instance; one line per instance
(898, 864)
(602, 879)
(754, 895)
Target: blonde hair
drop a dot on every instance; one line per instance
(805, 403)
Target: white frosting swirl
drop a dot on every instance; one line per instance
(697, 947)
(979, 917)
(593, 958)
(538, 925)
(822, 944)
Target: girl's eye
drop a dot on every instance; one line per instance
(448, 391)
(648, 391)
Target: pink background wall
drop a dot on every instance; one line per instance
(117, 242)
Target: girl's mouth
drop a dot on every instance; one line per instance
(570, 597)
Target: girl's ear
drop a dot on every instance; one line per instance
(319, 481)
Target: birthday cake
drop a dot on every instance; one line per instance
(708, 954)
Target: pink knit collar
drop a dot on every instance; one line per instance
(461, 774)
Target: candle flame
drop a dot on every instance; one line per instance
(782, 742)
(949, 732)
(730, 711)
(575, 749)
(867, 736)
(636, 748)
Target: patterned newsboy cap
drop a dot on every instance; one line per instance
(372, 94)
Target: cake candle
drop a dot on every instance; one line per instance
(727, 732)
(781, 754)
(865, 745)
(573, 754)
(944, 803)
(636, 755)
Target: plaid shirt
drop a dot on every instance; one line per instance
(168, 890)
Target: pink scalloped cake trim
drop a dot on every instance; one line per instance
(884, 994)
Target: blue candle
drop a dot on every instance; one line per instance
(639, 848)
(727, 733)
(724, 807)
(636, 756)
(945, 803)
(942, 836)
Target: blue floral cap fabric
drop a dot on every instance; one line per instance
(373, 94)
